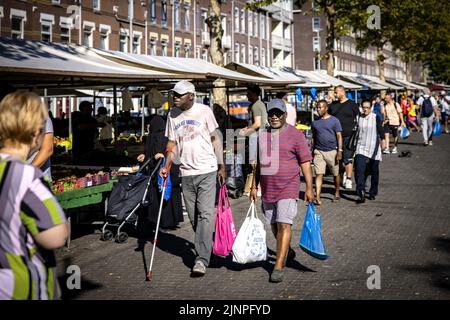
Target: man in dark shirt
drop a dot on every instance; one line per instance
(346, 111)
(84, 130)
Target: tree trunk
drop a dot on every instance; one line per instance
(380, 62)
(331, 36)
(216, 50)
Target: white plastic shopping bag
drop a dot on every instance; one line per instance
(250, 244)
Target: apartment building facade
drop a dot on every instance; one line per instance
(310, 43)
(156, 27)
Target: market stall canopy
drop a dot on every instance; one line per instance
(390, 86)
(37, 63)
(202, 70)
(276, 77)
(364, 81)
(439, 87)
(310, 81)
(332, 81)
(402, 83)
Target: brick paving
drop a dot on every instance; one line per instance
(405, 231)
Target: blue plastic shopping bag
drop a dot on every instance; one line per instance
(311, 236)
(161, 183)
(437, 129)
(404, 132)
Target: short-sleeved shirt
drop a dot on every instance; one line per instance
(259, 110)
(422, 98)
(346, 113)
(28, 207)
(191, 130)
(280, 156)
(325, 133)
(392, 111)
(46, 167)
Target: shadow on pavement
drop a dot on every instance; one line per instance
(440, 273)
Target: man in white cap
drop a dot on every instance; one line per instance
(428, 111)
(283, 150)
(196, 142)
(445, 109)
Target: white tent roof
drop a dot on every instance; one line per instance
(365, 82)
(384, 83)
(190, 67)
(36, 60)
(332, 81)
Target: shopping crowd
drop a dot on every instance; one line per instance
(348, 139)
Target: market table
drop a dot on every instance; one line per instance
(83, 197)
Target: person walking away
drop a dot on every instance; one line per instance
(106, 128)
(428, 112)
(283, 150)
(445, 110)
(368, 152)
(194, 137)
(32, 223)
(346, 111)
(394, 118)
(172, 210)
(379, 109)
(41, 158)
(327, 146)
(84, 130)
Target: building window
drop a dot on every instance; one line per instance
(242, 21)
(224, 25)
(205, 55)
(250, 23)
(177, 16)
(123, 42)
(46, 30)
(164, 48)
(152, 11)
(187, 18)
(187, 49)
(137, 43)
(263, 26)
(203, 20)
(256, 55)
(177, 49)
(316, 24)
(65, 34)
(243, 53)
(316, 44)
(17, 27)
(236, 19)
(197, 52)
(104, 36)
(236, 52)
(153, 46)
(255, 24)
(164, 13)
(316, 63)
(88, 28)
(96, 5)
(250, 55)
(263, 57)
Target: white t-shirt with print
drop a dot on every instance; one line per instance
(191, 130)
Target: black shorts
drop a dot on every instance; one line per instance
(347, 154)
(392, 130)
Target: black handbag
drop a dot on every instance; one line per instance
(352, 142)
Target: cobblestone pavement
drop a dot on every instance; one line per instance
(405, 231)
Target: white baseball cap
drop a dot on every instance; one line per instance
(443, 93)
(183, 87)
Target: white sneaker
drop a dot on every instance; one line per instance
(386, 151)
(344, 179)
(348, 183)
(394, 151)
(430, 143)
(259, 194)
(199, 268)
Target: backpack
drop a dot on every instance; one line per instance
(427, 108)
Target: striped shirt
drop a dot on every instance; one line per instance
(280, 155)
(368, 136)
(27, 271)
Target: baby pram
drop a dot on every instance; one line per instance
(127, 196)
(235, 177)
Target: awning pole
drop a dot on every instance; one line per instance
(228, 101)
(143, 114)
(116, 130)
(356, 96)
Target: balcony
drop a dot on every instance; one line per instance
(205, 38)
(226, 42)
(281, 43)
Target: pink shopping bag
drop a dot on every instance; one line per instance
(225, 228)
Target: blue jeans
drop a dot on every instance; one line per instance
(364, 167)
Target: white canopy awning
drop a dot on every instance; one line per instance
(390, 86)
(332, 81)
(37, 62)
(366, 83)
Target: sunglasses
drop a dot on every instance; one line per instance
(177, 95)
(276, 112)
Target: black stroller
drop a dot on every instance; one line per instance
(127, 196)
(235, 177)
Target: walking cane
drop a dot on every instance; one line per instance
(155, 239)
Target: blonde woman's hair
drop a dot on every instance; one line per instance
(22, 114)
